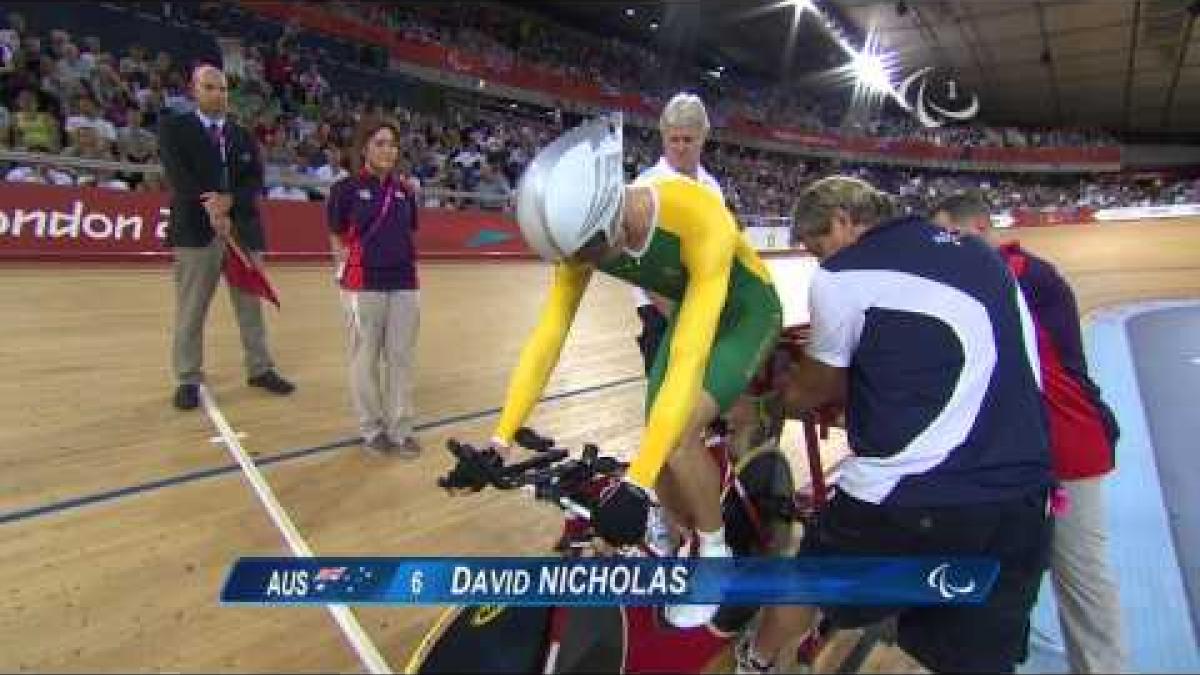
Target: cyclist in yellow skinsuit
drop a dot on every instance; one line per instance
(674, 237)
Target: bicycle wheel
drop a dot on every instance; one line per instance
(766, 478)
(487, 639)
(592, 640)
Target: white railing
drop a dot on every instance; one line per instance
(768, 233)
(278, 176)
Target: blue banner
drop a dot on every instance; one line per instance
(611, 581)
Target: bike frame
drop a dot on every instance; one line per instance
(647, 643)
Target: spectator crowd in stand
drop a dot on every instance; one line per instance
(505, 36)
(79, 98)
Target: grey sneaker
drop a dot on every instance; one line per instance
(409, 448)
(747, 660)
(379, 443)
(659, 533)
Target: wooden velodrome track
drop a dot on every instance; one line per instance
(131, 582)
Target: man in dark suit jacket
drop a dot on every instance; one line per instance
(215, 174)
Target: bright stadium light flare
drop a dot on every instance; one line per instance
(801, 6)
(870, 71)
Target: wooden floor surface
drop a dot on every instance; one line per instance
(131, 582)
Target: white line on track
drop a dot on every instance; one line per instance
(366, 650)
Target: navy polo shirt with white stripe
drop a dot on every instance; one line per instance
(944, 402)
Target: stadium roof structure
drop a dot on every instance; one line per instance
(1126, 65)
(1130, 66)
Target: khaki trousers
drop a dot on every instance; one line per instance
(197, 271)
(382, 327)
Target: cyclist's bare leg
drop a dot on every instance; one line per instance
(694, 472)
(743, 423)
(675, 507)
(778, 626)
(670, 495)
(698, 480)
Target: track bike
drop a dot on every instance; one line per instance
(760, 505)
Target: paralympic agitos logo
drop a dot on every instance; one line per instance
(937, 98)
(939, 580)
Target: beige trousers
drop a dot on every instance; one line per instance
(382, 327)
(1085, 588)
(197, 271)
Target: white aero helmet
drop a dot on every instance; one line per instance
(573, 190)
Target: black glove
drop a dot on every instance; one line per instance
(467, 476)
(621, 514)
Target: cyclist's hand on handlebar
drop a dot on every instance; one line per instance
(462, 479)
(500, 447)
(621, 514)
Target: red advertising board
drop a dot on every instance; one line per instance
(1025, 217)
(47, 222)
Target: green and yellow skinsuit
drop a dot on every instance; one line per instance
(727, 318)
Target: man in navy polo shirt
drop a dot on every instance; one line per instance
(926, 337)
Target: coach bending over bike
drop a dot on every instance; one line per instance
(929, 338)
(674, 237)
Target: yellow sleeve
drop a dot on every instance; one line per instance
(709, 260)
(541, 351)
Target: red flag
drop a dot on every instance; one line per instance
(244, 273)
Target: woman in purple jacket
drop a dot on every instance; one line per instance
(372, 216)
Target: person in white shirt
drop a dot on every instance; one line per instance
(332, 170)
(468, 158)
(45, 175)
(88, 115)
(289, 193)
(88, 144)
(684, 128)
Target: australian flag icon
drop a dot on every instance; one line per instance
(345, 582)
